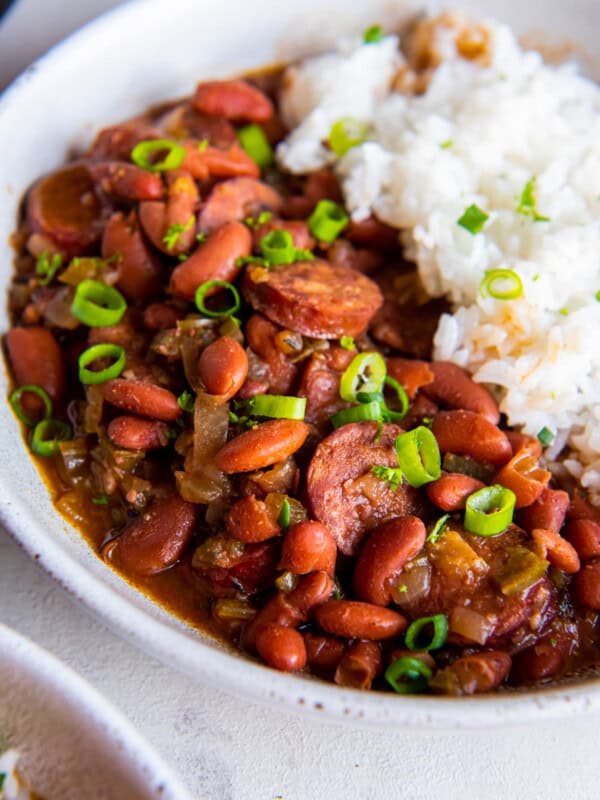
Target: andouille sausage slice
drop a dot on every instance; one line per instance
(314, 298)
(344, 494)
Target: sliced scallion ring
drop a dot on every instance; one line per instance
(408, 675)
(327, 221)
(345, 134)
(144, 155)
(283, 520)
(209, 286)
(393, 416)
(46, 436)
(278, 247)
(414, 639)
(96, 352)
(365, 373)
(98, 305)
(255, 143)
(501, 284)
(30, 388)
(490, 510)
(367, 412)
(419, 456)
(277, 406)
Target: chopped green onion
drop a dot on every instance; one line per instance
(545, 437)
(393, 416)
(438, 638)
(201, 237)
(207, 287)
(185, 401)
(597, 296)
(283, 520)
(98, 305)
(202, 145)
(402, 588)
(490, 510)
(101, 351)
(391, 475)
(419, 456)
(46, 268)
(277, 406)
(174, 232)
(345, 134)
(30, 388)
(501, 284)
(408, 675)
(327, 221)
(564, 312)
(46, 436)
(527, 203)
(347, 342)
(2, 779)
(144, 152)
(553, 642)
(243, 260)
(447, 144)
(373, 34)
(368, 412)
(278, 247)
(365, 373)
(263, 217)
(473, 220)
(101, 500)
(255, 143)
(438, 529)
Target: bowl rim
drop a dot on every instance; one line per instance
(226, 669)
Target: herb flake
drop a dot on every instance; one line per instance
(473, 219)
(392, 475)
(174, 232)
(528, 204)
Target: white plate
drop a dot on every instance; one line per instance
(72, 743)
(136, 55)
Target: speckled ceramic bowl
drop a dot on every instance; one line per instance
(139, 54)
(72, 743)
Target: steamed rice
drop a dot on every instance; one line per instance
(480, 134)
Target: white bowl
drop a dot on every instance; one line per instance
(72, 743)
(136, 55)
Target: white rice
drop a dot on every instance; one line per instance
(501, 126)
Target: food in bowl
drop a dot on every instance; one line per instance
(301, 360)
(12, 784)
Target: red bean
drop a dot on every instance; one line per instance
(474, 674)
(223, 367)
(311, 592)
(544, 660)
(261, 335)
(215, 162)
(281, 648)
(580, 508)
(524, 476)
(249, 520)
(145, 399)
(522, 441)
(160, 316)
(466, 433)
(235, 100)
(371, 232)
(400, 652)
(36, 358)
(298, 230)
(134, 433)
(559, 552)
(236, 199)
(453, 387)
(383, 557)
(411, 373)
(351, 619)
(450, 492)
(278, 611)
(126, 181)
(359, 666)
(308, 546)
(584, 535)
(548, 511)
(159, 218)
(139, 269)
(323, 652)
(587, 585)
(262, 446)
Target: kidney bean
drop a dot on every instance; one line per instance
(145, 399)
(134, 433)
(235, 100)
(344, 254)
(251, 388)
(523, 441)
(524, 476)
(126, 181)
(307, 547)
(139, 269)
(184, 122)
(410, 373)
(282, 648)
(474, 674)
(559, 552)
(320, 185)
(155, 540)
(466, 433)
(298, 230)
(584, 535)
(117, 141)
(213, 260)
(249, 520)
(399, 652)
(323, 652)
(548, 511)
(262, 446)
(157, 217)
(359, 666)
(236, 199)
(311, 592)
(544, 660)
(450, 492)
(214, 162)
(453, 387)
(261, 335)
(587, 585)
(384, 555)
(352, 619)
(580, 508)
(421, 408)
(161, 316)
(278, 611)
(36, 358)
(223, 367)
(370, 232)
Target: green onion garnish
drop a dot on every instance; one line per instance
(278, 247)
(277, 406)
(365, 373)
(394, 416)
(419, 456)
(283, 520)
(46, 436)
(490, 510)
(173, 233)
(447, 144)
(347, 342)
(185, 401)
(46, 268)
(255, 143)
(202, 145)
(101, 500)
(201, 237)
(545, 436)
(327, 221)
(207, 287)
(597, 296)
(408, 675)
(527, 203)
(473, 220)
(30, 388)
(96, 352)
(501, 284)
(2, 779)
(367, 412)
(345, 134)
(263, 217)
(391, 475)
(143, 155)
(435, 641)
(98, 305)
(438, 529)
(373, 34)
